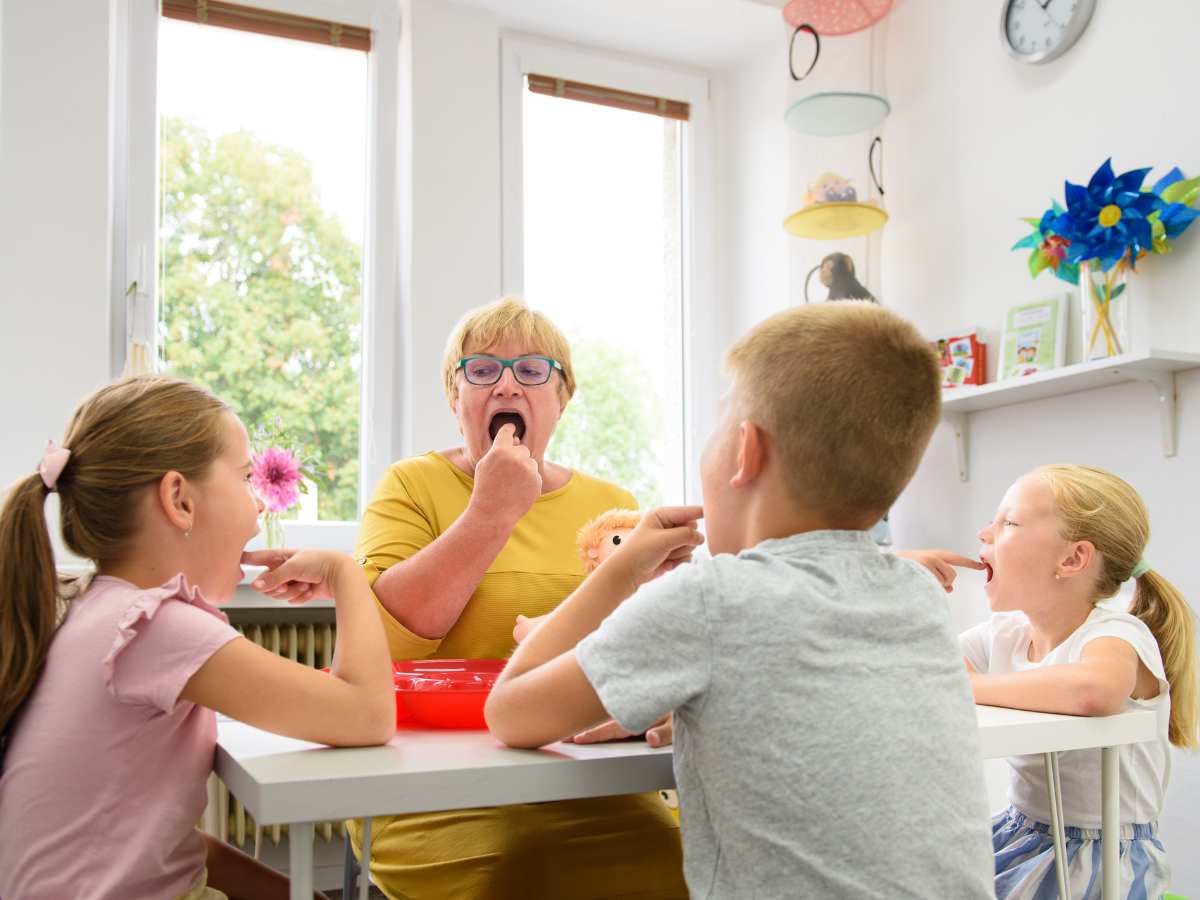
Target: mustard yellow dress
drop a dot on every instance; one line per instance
(593, 849)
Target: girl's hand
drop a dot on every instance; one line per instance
(941, 563)
(664, 539)
(296, 576)
(660, 734)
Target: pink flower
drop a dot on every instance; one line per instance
(276, 477)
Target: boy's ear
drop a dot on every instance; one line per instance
(752, 452)
(1078, 559)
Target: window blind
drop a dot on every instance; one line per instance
(265, 21)
(602, 96)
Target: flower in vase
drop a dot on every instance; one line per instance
(1109, 219)
(276, 478)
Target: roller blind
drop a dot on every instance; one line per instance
(602, 96)
(265, 21)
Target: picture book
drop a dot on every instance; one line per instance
(963, 355)
(1035, 337)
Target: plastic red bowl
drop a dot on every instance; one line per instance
(445, 693)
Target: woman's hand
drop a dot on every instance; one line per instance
(297, 576)
(660, 734)
(664, 539)
(507, 481)
(941, 563)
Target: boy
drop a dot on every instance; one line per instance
(826, 741)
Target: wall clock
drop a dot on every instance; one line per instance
(1037, 31)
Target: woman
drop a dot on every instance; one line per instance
(456, 545)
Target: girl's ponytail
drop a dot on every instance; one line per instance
(123, 438)
(1169, 618)
(28, 592)
(1097, 506)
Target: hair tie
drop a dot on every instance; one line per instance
(1140, 569)
(52, 463)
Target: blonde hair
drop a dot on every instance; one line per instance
(593, 532)
(122, 438)
(849, 394)
(1096, 506)
(508, 318)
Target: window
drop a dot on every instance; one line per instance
(603, 240)
(263, 190)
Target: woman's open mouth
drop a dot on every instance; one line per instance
(500, 419)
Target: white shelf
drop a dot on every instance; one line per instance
(1155, 367)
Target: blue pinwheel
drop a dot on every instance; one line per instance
(1109, 218)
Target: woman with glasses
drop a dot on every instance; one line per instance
(456, 544)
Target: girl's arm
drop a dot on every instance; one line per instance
(354, 705)
(1098, 685)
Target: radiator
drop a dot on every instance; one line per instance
(308, 644)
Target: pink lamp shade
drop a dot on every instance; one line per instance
(833, 17)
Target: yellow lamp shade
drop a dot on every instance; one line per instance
(831, 221)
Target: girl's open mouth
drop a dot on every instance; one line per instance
(988, 571)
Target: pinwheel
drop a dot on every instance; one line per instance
(1049, 249)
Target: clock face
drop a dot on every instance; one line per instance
(1038, 26)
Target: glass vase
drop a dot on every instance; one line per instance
(1106, 314)
(273, 526)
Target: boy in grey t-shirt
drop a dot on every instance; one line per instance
(826, 743)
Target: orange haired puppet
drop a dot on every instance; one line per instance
(596, 540)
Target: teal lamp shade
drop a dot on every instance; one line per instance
(837, 112)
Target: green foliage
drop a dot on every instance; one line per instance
(260, 296)
(613, 425)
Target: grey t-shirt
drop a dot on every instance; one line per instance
(825, 736)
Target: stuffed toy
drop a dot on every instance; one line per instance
(596, 541)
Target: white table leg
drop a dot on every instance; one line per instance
(1110, 822)
(1054, 790)
(364, 874)
(300, 857)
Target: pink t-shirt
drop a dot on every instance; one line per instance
(104, 779)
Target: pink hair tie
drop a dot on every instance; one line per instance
(52, 464)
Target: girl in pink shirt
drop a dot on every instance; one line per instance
(107, 699)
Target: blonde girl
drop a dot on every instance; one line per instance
(1064, 539)
(106, 702)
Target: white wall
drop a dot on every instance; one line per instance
(54, 215)
(450, 189)
(976, 141)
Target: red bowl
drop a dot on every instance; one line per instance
(445, 693)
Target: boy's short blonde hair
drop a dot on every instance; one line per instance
(849, 394)
(508, 318)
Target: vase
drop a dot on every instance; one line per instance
(273, 526)
(1106, 314)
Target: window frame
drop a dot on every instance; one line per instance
(136, 178)
(522, 54)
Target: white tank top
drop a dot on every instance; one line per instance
(1002, 645)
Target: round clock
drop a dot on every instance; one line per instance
(1037, 31)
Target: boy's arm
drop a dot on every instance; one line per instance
(543, 695)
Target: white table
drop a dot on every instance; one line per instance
(1015, 732)
(282, 780)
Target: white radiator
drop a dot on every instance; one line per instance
(310, 645)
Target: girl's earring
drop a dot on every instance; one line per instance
(1056, 575)
(188, 534)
